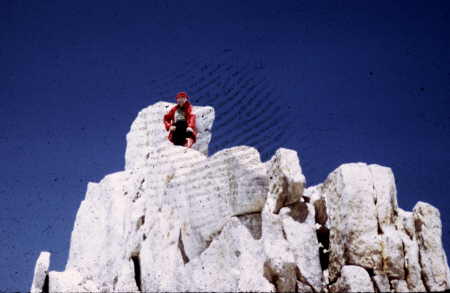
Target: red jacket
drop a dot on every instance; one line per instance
(190, 119)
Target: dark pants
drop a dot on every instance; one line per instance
(180, 134)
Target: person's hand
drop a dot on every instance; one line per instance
(172, 128)
(190, 129)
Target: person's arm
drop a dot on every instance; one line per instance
(191, 123)
(168, 119)
(191, 120)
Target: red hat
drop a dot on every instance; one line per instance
(182, 95)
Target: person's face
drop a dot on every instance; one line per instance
(180, 101)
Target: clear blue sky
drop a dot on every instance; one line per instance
(339, 81)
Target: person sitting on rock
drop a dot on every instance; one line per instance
(180, 122)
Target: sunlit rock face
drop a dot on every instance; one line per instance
(179, 219)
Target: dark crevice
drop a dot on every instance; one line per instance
(374, 191)
(375, 286)
(346, 256)
(323, 236)
(46, 285)
(334, 281)
(375, 200)
(208, 243)
(323, 233)
(116, 279)
(284, 232)
(391, 283)
(137, 270)
(418, 227)
(140, 222)
(379, 231)
(405, 267)
(395, 210)
(409, 233)
(181, 248)
(136, 197)
(247, 214)
(424, 279)
(422, 273)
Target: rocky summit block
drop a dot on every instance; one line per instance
(177, 219)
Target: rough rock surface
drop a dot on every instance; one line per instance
(176, 219)
(353, 279)
(40, 279)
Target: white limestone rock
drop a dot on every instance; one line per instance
(399, 286)
(288, 227)
(304, 288)
(121, 216)
(246, 176)
(352, 217)
(432, 256)
(232, 263)
(387, 213)
(314, 192)
(286, 176)
(136, 197)
(279, 266)
(281, 185)
(178, 220)
(160, 255)
(361, 212)
(125, 280)
(303, 243)
(72, 281)
(41, 272)
(231, 182)
(411, 249)
(353, 279)
(251, 267)
(102, 229)
(392, 253)
(381, 283)
(317, 199)
(385, 192)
